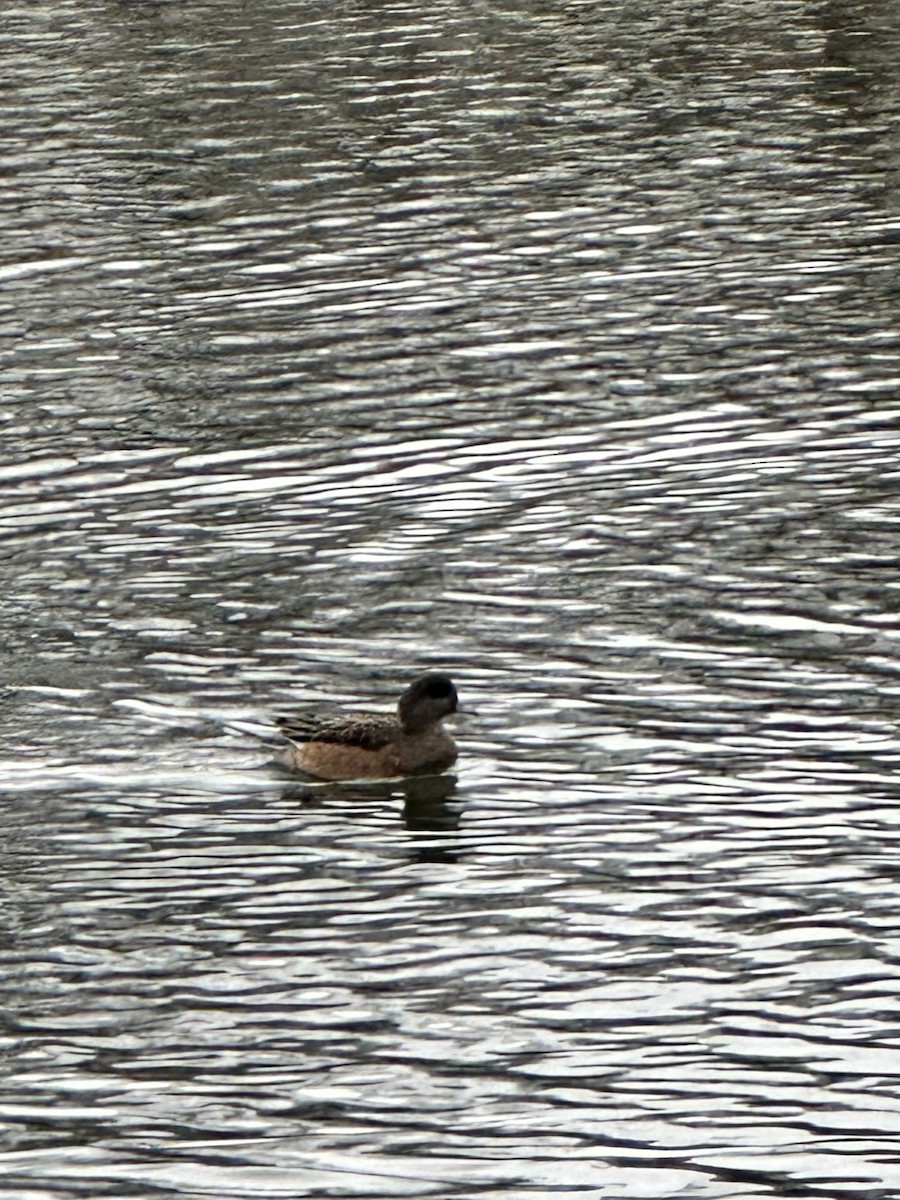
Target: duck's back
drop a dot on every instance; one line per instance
(369, 731)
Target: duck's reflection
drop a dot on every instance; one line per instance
(427, 803)
(429, 807)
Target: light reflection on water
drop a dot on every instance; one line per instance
(555, 349)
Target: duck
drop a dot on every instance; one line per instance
(367, 745)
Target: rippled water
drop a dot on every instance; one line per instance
(556, 347)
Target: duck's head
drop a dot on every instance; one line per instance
(426, 702)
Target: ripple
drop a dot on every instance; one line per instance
(534, 346)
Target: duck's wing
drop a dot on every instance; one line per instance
(366, 730)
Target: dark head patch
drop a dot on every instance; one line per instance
(438, 687)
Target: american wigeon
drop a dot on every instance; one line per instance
(374, 745)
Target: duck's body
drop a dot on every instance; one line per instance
(376, 746)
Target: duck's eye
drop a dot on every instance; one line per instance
(439, 689)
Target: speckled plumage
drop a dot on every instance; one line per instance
(369, 731)
(373, 745)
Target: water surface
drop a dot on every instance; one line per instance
(553, 347)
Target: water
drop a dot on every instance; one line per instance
(556, 348)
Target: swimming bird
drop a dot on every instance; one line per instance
(368, 745)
